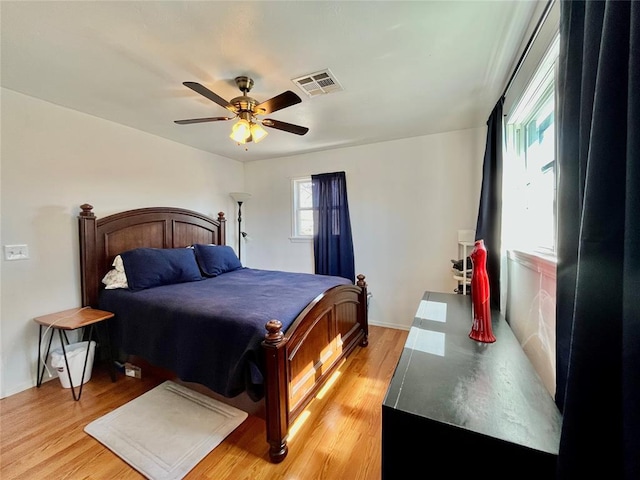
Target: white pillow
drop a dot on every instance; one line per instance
(116, 278)
(117, 263)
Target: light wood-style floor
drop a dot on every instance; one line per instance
(337, 437)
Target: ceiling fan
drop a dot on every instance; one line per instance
(246, 109)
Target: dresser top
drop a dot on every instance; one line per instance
(489, 388)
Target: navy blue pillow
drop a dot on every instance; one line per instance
(216, 259)
(152, 267)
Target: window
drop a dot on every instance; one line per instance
(302, 220)
(530, 175)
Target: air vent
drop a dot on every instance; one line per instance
(318, 83)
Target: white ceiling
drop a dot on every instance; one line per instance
(407, 68)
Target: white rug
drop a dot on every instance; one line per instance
(165, 432)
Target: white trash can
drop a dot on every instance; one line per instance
(76, 354)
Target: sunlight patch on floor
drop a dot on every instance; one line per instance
(297, 425)
(331, 380)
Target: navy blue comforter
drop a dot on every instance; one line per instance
(210, 331)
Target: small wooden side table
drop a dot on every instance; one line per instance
(72, 319)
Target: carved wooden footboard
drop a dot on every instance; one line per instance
(298, 361)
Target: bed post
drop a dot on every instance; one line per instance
(276, 392)
(363, 309)
(223, 229)
(88, 267)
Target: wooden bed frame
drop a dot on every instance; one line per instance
(298, 361)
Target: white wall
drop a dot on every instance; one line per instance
(55, 159)
(407, 200)
(531, 311)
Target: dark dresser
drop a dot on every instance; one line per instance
(457, 406)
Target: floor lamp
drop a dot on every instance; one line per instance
(240, 197)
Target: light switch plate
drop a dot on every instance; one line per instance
(16, 252)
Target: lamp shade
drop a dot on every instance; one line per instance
(257, 132)
(240, 196)
(241, 131)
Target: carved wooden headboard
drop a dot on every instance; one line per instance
(101, 239)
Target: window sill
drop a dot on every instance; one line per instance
(536, 261)
(300, 239)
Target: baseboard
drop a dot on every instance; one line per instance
(24, 386)
(389, 325)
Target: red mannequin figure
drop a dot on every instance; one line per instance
(481, 329)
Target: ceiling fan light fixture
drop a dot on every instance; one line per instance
(241, 131)
(257, 132)
(248, 128)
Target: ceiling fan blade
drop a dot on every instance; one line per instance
(201, 120)
(205, 92)
(287, 127)
(284, 100)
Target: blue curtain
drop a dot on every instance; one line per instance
(489, 224)
(332, 241)
(598, 273)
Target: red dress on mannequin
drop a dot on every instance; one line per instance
(481, 329)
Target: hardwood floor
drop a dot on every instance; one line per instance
(337, 437)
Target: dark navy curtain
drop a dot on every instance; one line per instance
(332, 241)
(598, 273)
(489, 224)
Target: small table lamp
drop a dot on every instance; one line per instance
(240, 197)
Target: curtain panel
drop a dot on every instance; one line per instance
(489, 223)
(598, 274)
(332, 239)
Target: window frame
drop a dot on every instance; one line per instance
(542, 87)
(296, 236)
